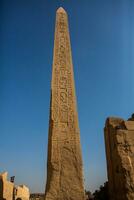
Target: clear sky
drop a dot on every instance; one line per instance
(102, 38)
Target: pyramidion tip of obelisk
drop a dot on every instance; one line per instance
(61, 10)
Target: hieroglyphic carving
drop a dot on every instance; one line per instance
(65, 77)
(64, 177)
(63, 98)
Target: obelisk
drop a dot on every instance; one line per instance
(64, 166)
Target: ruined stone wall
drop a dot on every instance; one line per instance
(37, 196)
(119, 142)
(6, 187)
(8, 191)
(22, 192)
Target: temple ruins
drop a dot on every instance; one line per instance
(119, 142)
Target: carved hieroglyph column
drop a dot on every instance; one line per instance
(64, 167)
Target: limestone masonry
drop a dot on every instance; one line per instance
(6, 187)
(119, 141)
(9, 191)
(64, 167)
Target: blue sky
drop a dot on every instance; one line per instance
(102, 38)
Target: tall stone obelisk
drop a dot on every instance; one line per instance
(64, 167)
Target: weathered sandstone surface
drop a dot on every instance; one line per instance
(119, 140)
(64, 168)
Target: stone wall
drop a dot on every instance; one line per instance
(8, 191)
(21, 192)
(37, 196)
(6, 187)
(119, 142)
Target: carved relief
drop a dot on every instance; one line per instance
(63, 103)
(63, 126)
(64, 155)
